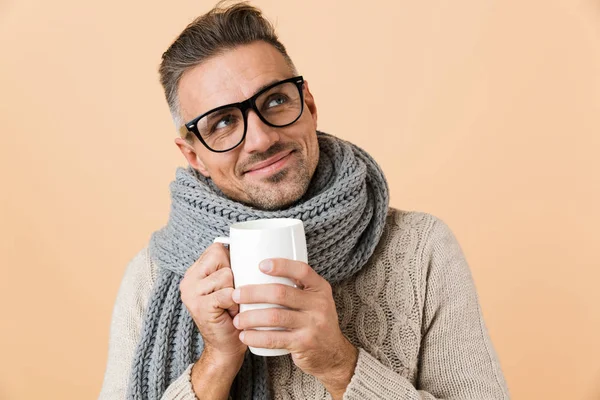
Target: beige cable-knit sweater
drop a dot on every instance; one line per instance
(412, 312)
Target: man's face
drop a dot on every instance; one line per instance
(253, 173)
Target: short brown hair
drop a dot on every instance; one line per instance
(222, 28)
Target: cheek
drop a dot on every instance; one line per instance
(313, 142)
(227, 169)
(315, 152)
(308, 117)
(220, 165)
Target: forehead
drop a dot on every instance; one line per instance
(230, 77)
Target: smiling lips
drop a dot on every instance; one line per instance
(270, 165)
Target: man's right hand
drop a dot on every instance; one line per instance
(206, 292)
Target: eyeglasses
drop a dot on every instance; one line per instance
(224, 128)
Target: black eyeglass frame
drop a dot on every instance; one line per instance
(244, 106)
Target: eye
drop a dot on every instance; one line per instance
(276, 100)
(224, 122)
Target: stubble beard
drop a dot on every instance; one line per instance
(286, 187)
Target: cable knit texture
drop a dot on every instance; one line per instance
(343, 211)
(412, 311)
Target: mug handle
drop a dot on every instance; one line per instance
(222, 239)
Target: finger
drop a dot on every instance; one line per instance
(268, 339)
(215, 257)
(297, 270)
(273, 293)
(219, 279)
(270, 317)
(233, 312)
(221, 299)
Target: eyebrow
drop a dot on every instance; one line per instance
(266, 85)
(262, 87)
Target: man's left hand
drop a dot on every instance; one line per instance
(312, 333)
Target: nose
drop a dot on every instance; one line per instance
(259, 136)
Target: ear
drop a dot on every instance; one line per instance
(190, 154)
(310, 102)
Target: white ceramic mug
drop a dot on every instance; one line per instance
(251, 242)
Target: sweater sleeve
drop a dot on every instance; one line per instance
(456, 359)
(128, 312)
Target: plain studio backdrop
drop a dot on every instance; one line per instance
(485, 113)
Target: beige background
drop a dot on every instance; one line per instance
(484, 113)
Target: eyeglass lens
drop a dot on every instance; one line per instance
(224, 128)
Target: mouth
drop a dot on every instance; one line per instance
(270, 165)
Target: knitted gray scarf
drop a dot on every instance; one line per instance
(343, 211)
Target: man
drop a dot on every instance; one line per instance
(386, 307)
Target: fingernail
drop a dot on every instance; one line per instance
(236, 321)
(242, 333)
(236, 295)
(266, 265)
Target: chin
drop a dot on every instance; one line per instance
(279, 191)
